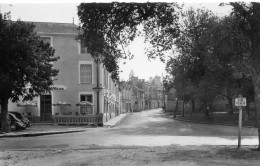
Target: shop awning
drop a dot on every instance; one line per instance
(84, 103)
(27, 104)
(61, 103)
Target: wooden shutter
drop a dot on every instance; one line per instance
(85, 73)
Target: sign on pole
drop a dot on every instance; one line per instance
(240, 102)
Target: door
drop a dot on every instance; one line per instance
(46, 108)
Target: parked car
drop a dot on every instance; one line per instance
(15, 123)
(25, 120)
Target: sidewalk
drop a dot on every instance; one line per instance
(116, 120)
(39, 129)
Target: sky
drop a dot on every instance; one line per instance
(66, 12)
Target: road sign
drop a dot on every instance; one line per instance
(240, 101)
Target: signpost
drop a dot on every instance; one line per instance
(240, 102)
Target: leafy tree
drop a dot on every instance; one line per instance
(189, 67)
(24, 60)
(248, 21)
(207, 48)
(108, 28)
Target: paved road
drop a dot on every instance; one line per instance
(147, 128)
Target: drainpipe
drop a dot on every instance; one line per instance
(98, 87)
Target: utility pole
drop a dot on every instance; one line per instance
(98, 88)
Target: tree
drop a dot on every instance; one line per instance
(248, 21)
(193, 78)
(108, 28)
(25, 64)
(207, 47)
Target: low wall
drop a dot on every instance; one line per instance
(79, 120)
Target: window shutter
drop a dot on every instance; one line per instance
(83, 49)
(85, 73)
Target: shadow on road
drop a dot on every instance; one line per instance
(156, 122)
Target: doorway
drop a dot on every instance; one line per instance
(46, 108)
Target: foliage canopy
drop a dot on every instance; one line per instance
(108, 28)
(25, 63)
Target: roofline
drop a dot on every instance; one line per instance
(50, 22)
(57, 33)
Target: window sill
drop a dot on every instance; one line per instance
(85, 84)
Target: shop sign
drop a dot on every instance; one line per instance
(58, 88)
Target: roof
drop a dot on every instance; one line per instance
(51, 27)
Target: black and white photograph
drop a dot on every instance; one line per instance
(129, 83)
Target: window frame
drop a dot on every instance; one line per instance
(92, 67)
(80, 47)
(46, 36)
(79, 99)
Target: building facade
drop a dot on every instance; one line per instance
(83, 88)
(138, 99)
(126, 97)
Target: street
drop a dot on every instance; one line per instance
(143, 129)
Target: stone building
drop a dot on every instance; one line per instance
(83, 92)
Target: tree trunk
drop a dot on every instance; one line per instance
(206, 108)
(256, 81)
(182, 108)
(176, 108)
(247, 110)
(230, 106)
(4, 114)
(192, 106)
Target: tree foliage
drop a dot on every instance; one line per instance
(248, 21)
(108, 28)
(207, 63)
(25, 63)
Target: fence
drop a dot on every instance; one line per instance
(78, 120)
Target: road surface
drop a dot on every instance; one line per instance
(146, 128)
(148, 138)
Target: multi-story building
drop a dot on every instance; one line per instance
(83, 91)
(138, 99)
(126, 97)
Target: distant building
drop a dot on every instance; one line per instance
(126, 97)
(138, 99)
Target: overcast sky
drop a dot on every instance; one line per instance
(64, 11)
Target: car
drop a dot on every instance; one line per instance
(16, 123)
(25, 120)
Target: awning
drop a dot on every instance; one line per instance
(27, 104)
(61, 103)
(84, 103)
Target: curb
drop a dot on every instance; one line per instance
(119, 121)
(39, 133)
(213, 123)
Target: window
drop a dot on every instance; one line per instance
(47, 39)
(88, 109)
(88, 98)
(85, 73)
(83, 48)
